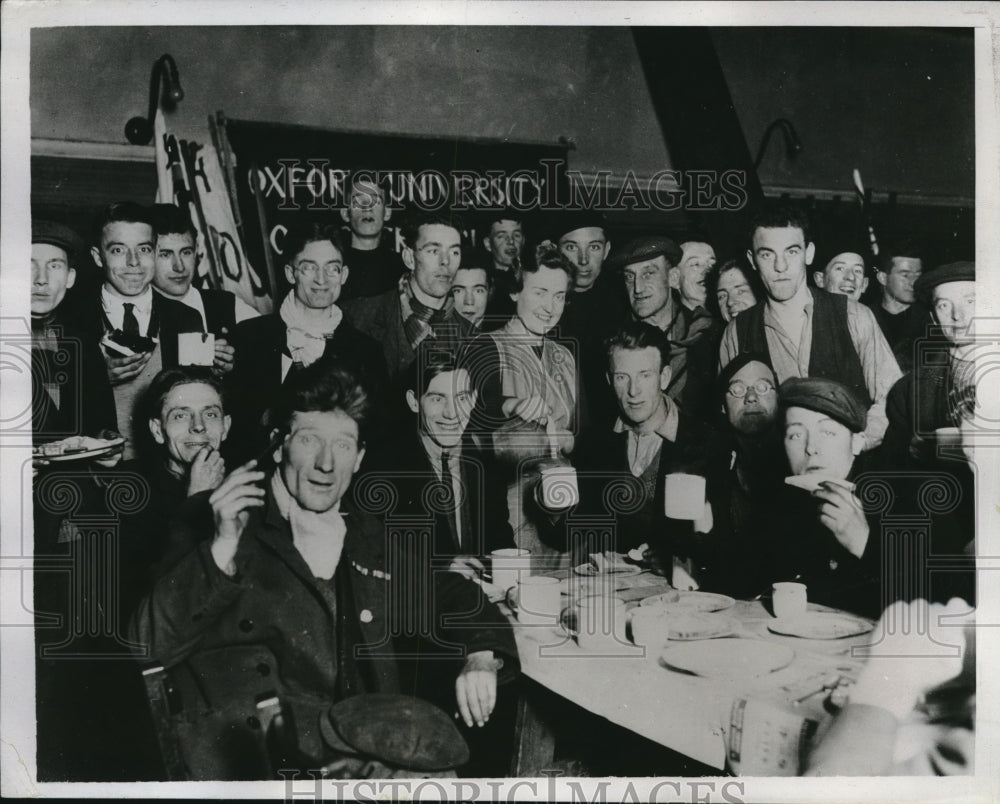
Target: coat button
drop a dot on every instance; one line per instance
(246, 626)
(834, 564)
(366, 616)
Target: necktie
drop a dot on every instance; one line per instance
(130, 324)
(446, 479)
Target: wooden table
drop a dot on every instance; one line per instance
(688, 714)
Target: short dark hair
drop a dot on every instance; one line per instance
(899, 248)
(507, 214)
(170, 219)
(431, 361)
(168, 379)
(779, 216)
(323, 387)
(477, 264)
(300, 235)
(411, 225)
(547, 257)
(121, 212)
(637, 335)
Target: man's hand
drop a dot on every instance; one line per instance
(476, 688)
(467, 566)
(230, 505)
(123, 369)
(207, 471)
(224, 356)
(840, 513)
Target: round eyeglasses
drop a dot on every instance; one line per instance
(739, 389)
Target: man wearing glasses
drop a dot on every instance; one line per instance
(308, 327)
(421, 306)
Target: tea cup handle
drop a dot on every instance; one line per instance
(566, 614)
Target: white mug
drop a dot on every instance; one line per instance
(600, 623)
(559, 487)
(650, 626)
(684, 496)
(509, 565)
(195, 349)
(789, 599)
(536, 600)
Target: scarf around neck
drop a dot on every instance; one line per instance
(306, 336)
(319, 538)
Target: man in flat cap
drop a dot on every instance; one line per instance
(646, 264)
(923, 401)
(818, 534)
(842, 270)
(809, 333)
(71, 395)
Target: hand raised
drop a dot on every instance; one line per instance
(231, 502)
(207, 471)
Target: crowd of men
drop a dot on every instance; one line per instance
(334, 475)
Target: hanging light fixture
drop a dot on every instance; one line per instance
(139, 130)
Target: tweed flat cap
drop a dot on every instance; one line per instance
(647, 248)
(964, 271)
(834, 399)
(57, 234)
(398, 730)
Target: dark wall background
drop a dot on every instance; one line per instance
(896, 103)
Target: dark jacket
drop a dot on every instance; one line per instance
(404, 464)
(86, 403)
(220, 310)
(381, 318)
(331, 639)
(609, 490)
(255, 382)
(168, 318)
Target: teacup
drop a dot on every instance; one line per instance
(599, 622)
(195, 349)
(536, 599)
(789, 600)
(510, 565)
(684, 496)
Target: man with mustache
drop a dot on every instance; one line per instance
(809, 333)
(375, 265)
(421, 306)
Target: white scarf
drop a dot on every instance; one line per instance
(319, 538)
(306, 337)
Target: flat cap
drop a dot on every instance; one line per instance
(398, 730)
(964, 271)
(57, 234)
(834, 399)
(647, 248)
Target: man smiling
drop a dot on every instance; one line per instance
(844, 273)
(137, 328)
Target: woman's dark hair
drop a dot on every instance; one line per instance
(546, 257)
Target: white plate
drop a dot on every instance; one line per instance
(99, 447)
(728, 658)
(820, 625)
(590, 569)
(693, 601)
(689, 626)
